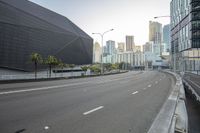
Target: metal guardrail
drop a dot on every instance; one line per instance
(192, 89)
(173, 115)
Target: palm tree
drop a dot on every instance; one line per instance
(36, 58)
(51, 61)
(84, 68)
(61, 65)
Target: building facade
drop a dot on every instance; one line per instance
(110, 45)
(97, 53)
(130, 44)
(155, 32)
(26, 27)
(166, 38)
(185, 35)
(121, 47)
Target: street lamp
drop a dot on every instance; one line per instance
(167, 16)
(102, 34)
(174, 61)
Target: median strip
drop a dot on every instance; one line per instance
(93, 110)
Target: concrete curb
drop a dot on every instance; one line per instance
(173, 115)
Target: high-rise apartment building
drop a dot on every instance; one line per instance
(110, 45)
(97, 53)
(130, 44)
(155, 32)
(121, 47)
(148, 47)
(137, 48)
(185, 35)
(166, 37)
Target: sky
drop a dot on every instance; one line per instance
(126, 17)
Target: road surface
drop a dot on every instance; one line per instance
(122, 103)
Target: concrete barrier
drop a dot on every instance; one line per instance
(173, 115)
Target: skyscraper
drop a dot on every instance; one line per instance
(155, 36)
(97, 53)
(166, 37)
(110, 45)
(155, 32)
(130, 44)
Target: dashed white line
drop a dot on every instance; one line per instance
(46, 127)
(135, 92)
(149, 86)
(93, 110)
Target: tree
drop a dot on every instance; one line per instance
(114, 67)
(121, 65)
(72, 67)
(108, 66)
(61, 65)
(51, 61)
(95, 69)
(36, 58)
(84, 68)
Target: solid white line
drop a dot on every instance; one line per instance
(149, 86)
(135, 92)
(93, 110)
(42, 88)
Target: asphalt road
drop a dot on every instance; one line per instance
(122, 103)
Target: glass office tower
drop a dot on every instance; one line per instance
(185, 35)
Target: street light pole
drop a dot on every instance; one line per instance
(102, 35)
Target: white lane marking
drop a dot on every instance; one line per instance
(42, 88)
(144, 88)
(93, 110)
(156, 82)
(135, 92)
(46, 127)
(149, 86)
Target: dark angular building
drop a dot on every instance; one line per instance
(26, 27)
